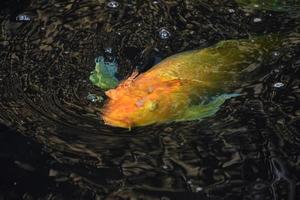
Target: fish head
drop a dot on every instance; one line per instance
(140, 104)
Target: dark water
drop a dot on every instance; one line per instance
(54, 146)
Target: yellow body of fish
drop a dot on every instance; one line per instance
(186, 86)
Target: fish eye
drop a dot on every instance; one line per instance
(151, 105)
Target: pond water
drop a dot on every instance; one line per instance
(54, 145)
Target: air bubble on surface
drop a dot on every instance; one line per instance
(164, 34)
(198, 189)
(113, 4)
(276, 53)
(108, 50)
(165, 167)
(257, 19)
(23, 18)
(94, 98)
(230, 10)
(278, 85)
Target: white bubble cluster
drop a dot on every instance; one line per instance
(165, 167)
(108, 50)
(113, 4)
(278, 85)
(276, 53)
(198, 189)
(164, 33)
(94, 98)
(23, 18)
(256, 20)
(230, 10)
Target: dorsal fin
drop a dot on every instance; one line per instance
(130, 79)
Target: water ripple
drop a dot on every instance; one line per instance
(44, 84)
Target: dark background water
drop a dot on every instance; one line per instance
(54, 146)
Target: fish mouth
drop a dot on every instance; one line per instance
(116, 122)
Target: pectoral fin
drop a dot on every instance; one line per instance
(203, 110)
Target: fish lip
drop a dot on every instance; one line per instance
(115, 122)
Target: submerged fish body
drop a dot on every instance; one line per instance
(187, 86)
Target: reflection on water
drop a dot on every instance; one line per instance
(249, 149)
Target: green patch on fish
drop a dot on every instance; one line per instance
(103, 76)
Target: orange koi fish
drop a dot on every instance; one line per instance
(186, 86)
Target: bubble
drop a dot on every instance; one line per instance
(164, 33)
(230, 10)
(113, 4)
(94, 98)
(108, 50)
(255, 20)
(23, 18)
(165, 167)
(91, 97)
(278, 85)
(276, 53)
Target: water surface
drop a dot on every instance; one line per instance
(57, 147)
